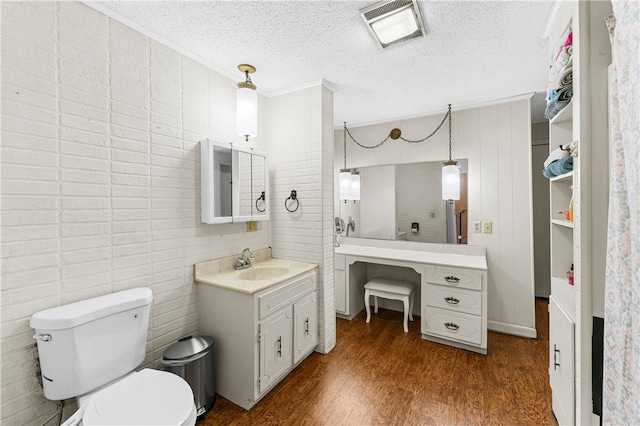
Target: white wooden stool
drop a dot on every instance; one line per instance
(389, 289)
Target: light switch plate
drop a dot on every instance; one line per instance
(487, 227)
(252, 226)
(477, 227)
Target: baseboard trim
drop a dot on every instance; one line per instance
(516, 330)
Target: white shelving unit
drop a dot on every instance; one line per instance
(572, 307)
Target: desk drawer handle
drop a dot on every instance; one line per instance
(452, 279)
(451, 326)
(452, 300)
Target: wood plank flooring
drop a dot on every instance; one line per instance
(378, 375)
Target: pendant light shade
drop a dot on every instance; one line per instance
(355, 186)
(345, 185)
(450, 181)
(247, 105)
(450, 173)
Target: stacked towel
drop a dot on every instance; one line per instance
(559, 167)
(560, 90)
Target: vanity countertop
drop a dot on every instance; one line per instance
(437, 254)
(215, 272)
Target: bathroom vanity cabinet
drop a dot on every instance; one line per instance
(260, 337)
(452, 287)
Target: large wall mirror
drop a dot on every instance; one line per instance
(234, 183)
(404, 202)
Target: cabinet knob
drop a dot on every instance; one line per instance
(451, 279)
(451, 326)
(452, 300)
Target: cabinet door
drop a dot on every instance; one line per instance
(340, 288)
(561, 363)
(305, 327)
(275, 347)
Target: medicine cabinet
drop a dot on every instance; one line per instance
(234, 183)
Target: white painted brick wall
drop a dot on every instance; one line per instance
(301, 158)
(100, 179)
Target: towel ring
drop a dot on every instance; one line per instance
(261, 197)
(292, 197)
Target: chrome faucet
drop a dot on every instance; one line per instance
(244, 261)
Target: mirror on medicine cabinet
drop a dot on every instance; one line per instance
(234, 183)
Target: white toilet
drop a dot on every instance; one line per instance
(90, 349)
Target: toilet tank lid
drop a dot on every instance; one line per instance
(74, 314)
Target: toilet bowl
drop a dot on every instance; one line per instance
(90, 350)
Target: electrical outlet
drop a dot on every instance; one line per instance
(476, 226)
(487, 227)
(252, 226)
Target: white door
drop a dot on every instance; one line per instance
(305, 326)
(561, 363)
(275, 347)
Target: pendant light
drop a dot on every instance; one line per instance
(349, 179)
(450, 174)
(247, 105)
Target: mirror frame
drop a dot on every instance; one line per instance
(209, 181)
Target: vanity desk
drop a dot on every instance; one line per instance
(451, 285)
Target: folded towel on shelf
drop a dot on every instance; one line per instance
(561, 62)
(556, 154)
(559, 167)
(563, 79)
(558, 100)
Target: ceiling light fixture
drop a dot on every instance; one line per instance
(247, 105)
(450, 174)
(393, 21)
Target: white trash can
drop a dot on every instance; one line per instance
(192, 359)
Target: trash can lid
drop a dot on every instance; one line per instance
(188, 347)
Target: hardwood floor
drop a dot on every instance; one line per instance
(378, 375)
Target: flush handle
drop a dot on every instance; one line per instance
(43, 337)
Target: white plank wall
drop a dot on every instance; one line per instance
(496, 139)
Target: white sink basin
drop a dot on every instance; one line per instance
(262, 273)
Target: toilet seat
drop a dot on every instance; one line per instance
(148, 397)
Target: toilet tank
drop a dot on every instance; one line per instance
(87, 344)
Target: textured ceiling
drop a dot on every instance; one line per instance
(474, 51)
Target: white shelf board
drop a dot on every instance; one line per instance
(565, 114)
(562, 222)
(562, 177)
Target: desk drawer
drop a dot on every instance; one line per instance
(452, 325)
(454, 299)
(455, 277)
(274, 300)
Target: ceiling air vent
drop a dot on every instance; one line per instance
(393, 22)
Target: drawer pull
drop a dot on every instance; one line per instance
(555, 352)
(451, 326)
(452, 279)
(279, 350)
(306, 326)
(452, 300)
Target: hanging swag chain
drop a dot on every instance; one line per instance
(447, 115)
